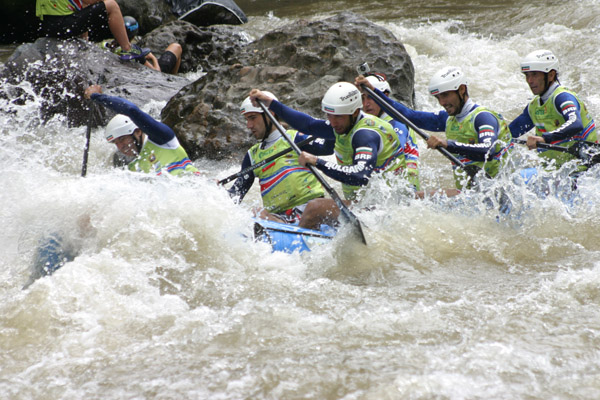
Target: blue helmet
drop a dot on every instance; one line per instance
(131, 26)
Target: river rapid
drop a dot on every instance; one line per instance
(167, 297)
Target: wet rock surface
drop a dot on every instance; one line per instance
(298, 64)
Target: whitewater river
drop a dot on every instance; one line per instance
(168, 299)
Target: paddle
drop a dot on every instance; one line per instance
(350, 217)
(88, 135)
(263, 162)
(578, 150)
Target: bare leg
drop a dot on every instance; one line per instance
(319, 211)
(176, 49)
(117, 24)
(264, 214)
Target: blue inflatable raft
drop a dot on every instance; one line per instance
(289, 238)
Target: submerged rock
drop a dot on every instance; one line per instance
(297, 63)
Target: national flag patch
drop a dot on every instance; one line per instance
(364, 150)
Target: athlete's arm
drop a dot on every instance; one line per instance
(317, 146)
(488, 128)
(366, 147)
(434, 122)
(303, 122)
(569, 107)
(522, 124)
(158, 132)
(242, 185)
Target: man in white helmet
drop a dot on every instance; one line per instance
(285, 185)
(364, 145)
(557, 114)
(150, 145)
(476, 135)
(407, 136)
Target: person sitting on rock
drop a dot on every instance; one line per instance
(285, 186)
(150, 145)
(63, 19)
(168, 62)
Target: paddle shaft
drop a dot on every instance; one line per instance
(263, 162)
(399, 117)
(344, 210)
(88, 135)
(573, 150)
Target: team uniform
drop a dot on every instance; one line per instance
(408, 140)
(161, 151)
(371, 146)
(285, 186)
(477, 136)
(558, 116)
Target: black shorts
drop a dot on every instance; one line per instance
(167, 62)
(92, 19)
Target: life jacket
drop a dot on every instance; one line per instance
(284, 183)
(547, 118)
(157, 159)
(390, 158)
(464, 132)
(411, 154)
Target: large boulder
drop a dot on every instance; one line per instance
(203, 48)
(59, 71)
(298, 63)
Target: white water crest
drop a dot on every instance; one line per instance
(167, 296)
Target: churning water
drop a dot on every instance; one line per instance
(167, 298)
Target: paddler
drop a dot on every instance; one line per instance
(407, 136)
(285, 185)
(557, 114)
(148, 144)
(364, 145)
(475, 134)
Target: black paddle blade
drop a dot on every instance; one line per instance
(357, 226)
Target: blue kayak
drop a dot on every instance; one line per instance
(289, 238)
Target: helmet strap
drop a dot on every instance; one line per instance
(353, 119)
(546, 83)
(462, 102)
(387, 93)
(138, 143)
(268, 127)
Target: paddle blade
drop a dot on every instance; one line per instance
(356, 225)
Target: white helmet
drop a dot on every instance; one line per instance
(248, 107)
(379, 83)
(539, 60)
(120, 125)
(447, 79)
(343, 98)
